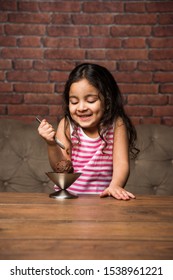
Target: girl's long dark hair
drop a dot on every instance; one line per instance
(99, 77)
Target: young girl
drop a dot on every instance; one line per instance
(97, 134)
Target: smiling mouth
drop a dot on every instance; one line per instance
(84, 117)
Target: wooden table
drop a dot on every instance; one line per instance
(34, 226)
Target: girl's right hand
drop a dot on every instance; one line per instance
(47, 132)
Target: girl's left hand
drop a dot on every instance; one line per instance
(118, 193)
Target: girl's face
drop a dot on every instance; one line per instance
(86, 107)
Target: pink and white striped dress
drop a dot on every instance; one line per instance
(95, 165)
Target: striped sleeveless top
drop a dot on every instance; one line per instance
(95, 165)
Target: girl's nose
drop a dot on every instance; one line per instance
(82, 106)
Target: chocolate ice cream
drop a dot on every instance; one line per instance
(64, 166)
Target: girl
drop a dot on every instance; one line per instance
(97, 133)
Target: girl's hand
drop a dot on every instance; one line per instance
(117, 192)
(47, 132)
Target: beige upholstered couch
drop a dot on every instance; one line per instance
(24, 161)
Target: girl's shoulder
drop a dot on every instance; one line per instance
(63, 129)
(63, 134)
(64, 123)
(120, 127)
(60, 128)
(118, 122)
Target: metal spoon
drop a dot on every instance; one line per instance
(56, 140)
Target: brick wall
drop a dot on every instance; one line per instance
(41, 41)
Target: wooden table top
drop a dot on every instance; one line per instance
(34, 226)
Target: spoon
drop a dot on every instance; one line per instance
(56, 140)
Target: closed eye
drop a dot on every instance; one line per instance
(73, 100)
(89, 98)
(91, 101)
(92, 98)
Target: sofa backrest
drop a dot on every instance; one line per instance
(152, 170)
(24, 160)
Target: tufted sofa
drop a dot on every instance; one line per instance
(152, 170)
(24, 161)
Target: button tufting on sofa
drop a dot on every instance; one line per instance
(24, 160)
(152, 172)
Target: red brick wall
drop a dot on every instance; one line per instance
(41, 41)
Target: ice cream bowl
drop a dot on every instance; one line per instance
(63, 181)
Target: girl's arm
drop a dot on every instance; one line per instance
(55, 153)
(120, 164)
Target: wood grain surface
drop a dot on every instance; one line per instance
(34, 226)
